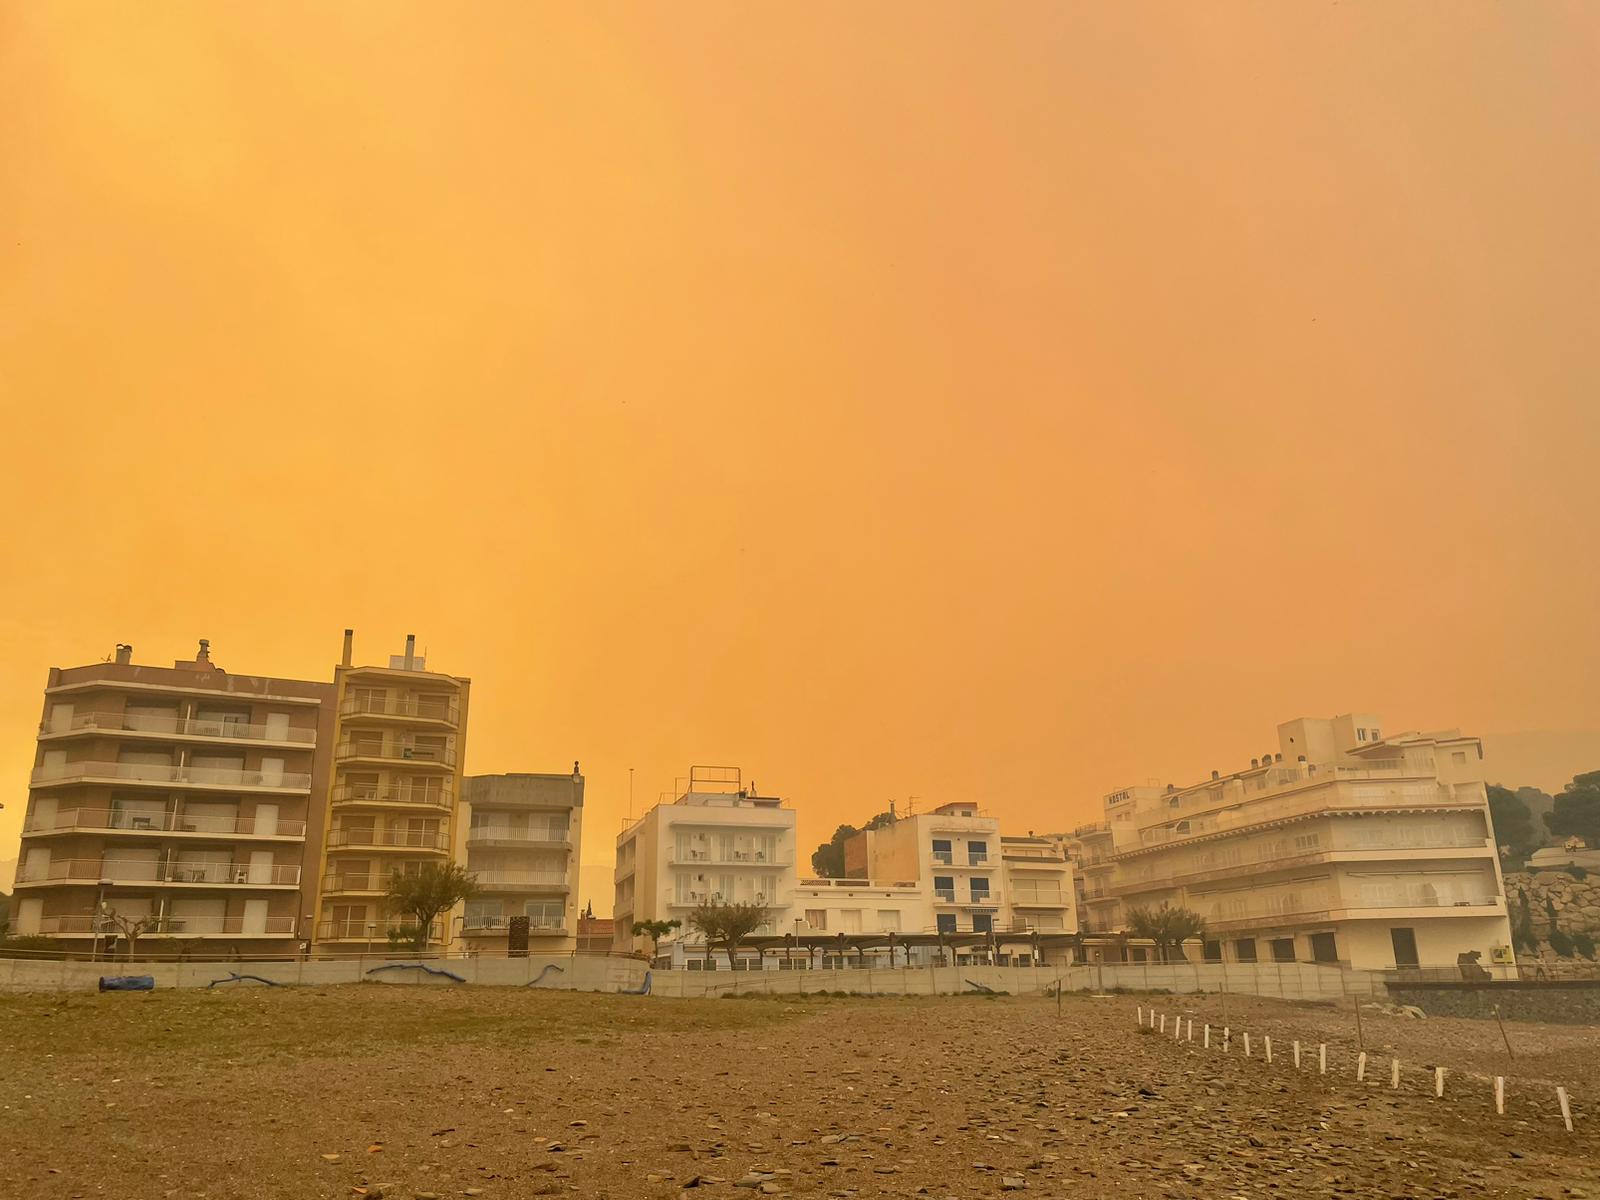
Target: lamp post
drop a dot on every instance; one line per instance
(302, 935)
(98, 920)
(372, 931)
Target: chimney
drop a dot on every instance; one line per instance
(576, 774)
(1254, 763)
(124, 655)
(349, 646)
(1278, 757)
(1216, 775)
(411, 649)
(203, 655)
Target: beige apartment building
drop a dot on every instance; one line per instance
(715, 838)
(1342, 845)
(524, 838)
(179, 798)
(393, 794)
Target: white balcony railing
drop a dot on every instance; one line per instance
(376, 932)
(228, 728)
(171, 775)
(96, 820)
(93, 870)
(401, 706)
(518, 879)
(945, 895)
(397, 752)
(404, 792)
(512, 833)
(495, 922)
(404, 839)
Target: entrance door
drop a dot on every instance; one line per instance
(277, 727)
(272, 772)
(266, 820)
(1405, 947)
(260, 869)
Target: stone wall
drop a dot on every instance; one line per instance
(1576, 903)
(1563, 1002)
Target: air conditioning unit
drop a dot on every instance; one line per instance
(1502, 955)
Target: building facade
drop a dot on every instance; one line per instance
(394, 791)
(176, 801)
(1343, 845)
(524, 837)
(715, 839)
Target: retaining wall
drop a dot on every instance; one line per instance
(562, 972)
(1560, 1002)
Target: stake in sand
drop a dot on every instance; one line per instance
(1322, 1058)
(1394, 1073)
(1361, 1067)
(1266, 1043)
(1207, 1042)
(1500, 1094)
(1297, 1056)
(1247, 1045)
(1438, 1082)
(1566, 1107)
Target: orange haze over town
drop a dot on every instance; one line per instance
(998, 402)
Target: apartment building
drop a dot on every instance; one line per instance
(1342, 845)
(524, 836)
(178, 798)
(716, 838)
(393, 796)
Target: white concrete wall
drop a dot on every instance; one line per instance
(566, 972)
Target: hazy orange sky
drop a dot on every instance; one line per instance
(999, 402)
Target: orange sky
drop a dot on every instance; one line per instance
(1004, 402)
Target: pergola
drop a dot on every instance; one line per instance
(808, 945)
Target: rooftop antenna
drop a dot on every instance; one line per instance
(630, 793)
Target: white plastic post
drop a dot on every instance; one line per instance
(1141, 1014)
(1394, 1073)
(1227, 1038)
(1322, 1058)
(1191, 1030)
(1177, 1028)
(1438, 1082)
(1566, 1107)
(1267, 1043)
(1297, 1056)
(1500, 1094)
(1207, 1039)
(1163, 1022)
(1361, 1067)
(1247, 1045)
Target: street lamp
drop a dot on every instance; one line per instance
(97, 922)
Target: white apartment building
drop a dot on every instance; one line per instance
(717, 838)
(1343, 845)
(524, 836)
(973, 879)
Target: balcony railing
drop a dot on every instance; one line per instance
(355, 883)
(945, 895)
(92, 870)
(975, 859)
(399, 706)
(393, 793)
(169, 926)
(493, 923)
(224, 727)
(398, 752)
(711, 854)
(171, 775)
(479, 834)
(497, 880)
(98, 820)
(404, 839)
(1302, 904)
(376, 932)
(944, 858)
(1043, 897)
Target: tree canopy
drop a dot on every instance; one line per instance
(1515, 834)
(655, 931)
(1577, 810)
(436, 888)
(1167, 927)
(827, 860)
(728, 924)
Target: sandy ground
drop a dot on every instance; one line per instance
(408, 1092)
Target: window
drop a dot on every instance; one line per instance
(1282, 949)
(944, 888)
(980, 890)
(1324, 949)
(1244, 950)
(817, 918)
(977, 853)
(889, 920)
(946, 922)
(1211, 951)
(484, 914)
(942, 852)
(849, 920)
(1361, 735)
(1306, 841)
(982, 923)
(1459, 757)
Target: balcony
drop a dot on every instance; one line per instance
(375, 884)
(375, 932)
(395, 752)
(84, 926)
(943, 858)
(1042, 898)
(492, 923)
(944, 895)
(513, 837)
(976, 859)
(521, 881)
(99, 820)
(982, 899)
(203, 874)
(405, 792)
(225, 729)
(390, 839)
(696, 856)
(161, 775)
(1323, 906)
(402, 707)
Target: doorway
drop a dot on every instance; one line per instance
(1405, 947)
